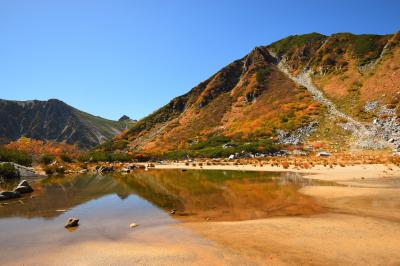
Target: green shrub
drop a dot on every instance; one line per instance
(213, 148)
(294, 41)
(102, 156)
(176, 155)
(66, 158)
(7, 155)
(8, 171)
(212, 141)
(46, 159)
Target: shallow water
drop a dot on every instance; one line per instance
(106, 205)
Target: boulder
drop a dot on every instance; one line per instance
(23, 187)
(5, 195)
(125, 170)
(72, 222)
(131, 167)
(105, 169)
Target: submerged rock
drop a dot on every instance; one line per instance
(72, 222)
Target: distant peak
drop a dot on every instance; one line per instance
(124, 118)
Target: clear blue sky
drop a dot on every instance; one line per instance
(115, 57)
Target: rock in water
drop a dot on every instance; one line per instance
(23, 187)
(5, 195)
(132, 225)
(72, 222)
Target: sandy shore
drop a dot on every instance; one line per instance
(331, 239)
(337, 173)
(161, 245)
(362, 226)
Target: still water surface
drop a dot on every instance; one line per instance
(107, 205)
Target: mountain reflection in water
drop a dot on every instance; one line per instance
(195, 194)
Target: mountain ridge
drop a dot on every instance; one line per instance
(56, 121)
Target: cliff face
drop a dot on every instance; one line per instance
(54, 120)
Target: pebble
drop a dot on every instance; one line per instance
(132, 225)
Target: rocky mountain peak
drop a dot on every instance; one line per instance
(124, 118)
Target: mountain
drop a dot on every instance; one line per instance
(340, 91)
(126, 119)
(54, 120)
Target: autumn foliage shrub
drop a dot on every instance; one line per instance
(46, 159)
(37, 148)
(19, 157)
(101, 156)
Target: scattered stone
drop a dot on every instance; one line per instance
(387, 111)
(125, 170)
(370, 106)
(367, 136)
(296, 137)
(72, 222)
(132, 167)
(323, 154)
